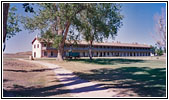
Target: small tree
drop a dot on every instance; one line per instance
(156, 51)
(159, 52)
(160, 29)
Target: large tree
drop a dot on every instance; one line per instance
(99, 22)
(58, 17)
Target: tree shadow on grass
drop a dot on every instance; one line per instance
(146, 82)
(33, 70)
(21, 91)
(104, 61)
(6, 80)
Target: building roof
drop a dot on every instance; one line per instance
(105, 43)
(39, 39)
(34, 40)
(115, 44)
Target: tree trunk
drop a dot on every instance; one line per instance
(60, 53)
(60, 48)
(66, 31)
(61, 45)
(90, 50)
(5, 18)
(60, 33)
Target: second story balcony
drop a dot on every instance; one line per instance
(48, 48)
(108, 49)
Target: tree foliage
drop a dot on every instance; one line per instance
(47, 37)
(28, 8)
(12, 23)
(101, 21)
(47, 15)
(159, 52)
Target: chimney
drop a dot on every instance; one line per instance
(36, 36)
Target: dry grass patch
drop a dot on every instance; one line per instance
(23, 79)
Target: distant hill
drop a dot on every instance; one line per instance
(18, 55)
(25, 53)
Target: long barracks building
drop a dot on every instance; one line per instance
(114, 49)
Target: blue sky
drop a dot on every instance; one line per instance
(138, 24)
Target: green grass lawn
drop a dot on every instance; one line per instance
(146, 78)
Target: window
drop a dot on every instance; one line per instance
(108, 53)
(37, 45)
(44, 45)
(34, 46)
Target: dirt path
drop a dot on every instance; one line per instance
(77, 86)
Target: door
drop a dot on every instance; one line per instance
(52, 53)
(45, 53)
